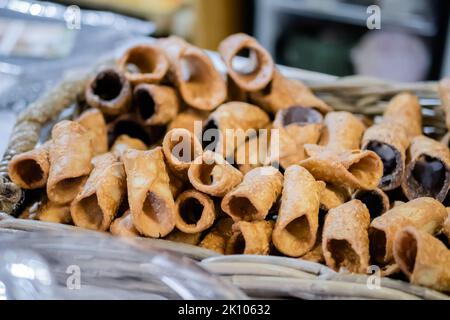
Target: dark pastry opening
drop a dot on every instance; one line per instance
(407, 251)
(69, 188)
(322, 213)
(210, 135)
(239, 244)
(144, 103)
(29, 171)
(343, 255)
(373, 202)
(267, 89)
(301, 115)
(154, 208)
(242, 207)
(430, 174)
(191, 210)
(299, 228)
(107, 85)
(141, 60)
(195, 71)
(91, 211)
(377, 245)
(131, 128)
(390, 158)
(250, 66)
(206, 177)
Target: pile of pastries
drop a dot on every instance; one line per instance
(158, 151)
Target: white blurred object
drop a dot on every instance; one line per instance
(391, 55)
(7, 119)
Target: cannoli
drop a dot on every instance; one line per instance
(156, 105)
(338, 160)
(375, 200)
(231, 125)
(123, 226)
(96, 206)
(446, 228)
(210, 173)
(404, 110)
(182, 237)
(180, 149)
(94, 122)
(29, 170)
(110, 92)
(282, 93)
(144, 63)
(333, 196)
(151, 202)
(254, 152)
(217, 239)
(201, 86)
(195, 212)
(52, 212)
(345, 242)
(125, 142)
(250, 238)
(444, 93)
(297, 126)
(426, 214)
(254, 196)
(428, 171)
(70, 155)
(422, 258)
(188, 120)
(446, 139)
(235, 93)
(261, 63)
(134, 127)
(298, 218)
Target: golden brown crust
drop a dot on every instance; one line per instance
(150, 61)
(345, 242)
(422, 258)
(187, 238)
(210, 173)
(333, 196)
(283, 93)
(94, 122)
(254, 196)
(297, 223)
(446, 228)
(262, 74)
(218, 237)
(29, 170)
(156, 104)
(123, 226)
(70, 157)
(201, 86)
(253, 153)
(96, 206)
(52, 212)
(125, 142)
(195, 212)
(423, 150)
(426, 214)
(149, 196)
(250, 238)
(404, 110)
(188, 119)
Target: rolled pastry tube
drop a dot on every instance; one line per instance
(70, 157)
(298, 218)
(444, 94)
(230, 125)
(375, 200)
(96, 206)
(259, 70)
(254, 196)
(52, 212)
(345, 242)
(191, 70)
(217, 239)
(144, 63)
(195, 212)
(250, 238)
(213, 175)
(94, 122)
(182, 237)
(29, 170)
(339, 161)
(404, 110)
(316, 253)
(428, 171)
(110, 92)
(389, 142)
(254, 152)
(188, 120)
(333, 196)
(181, 148)
(151, 201)
(123, 226)
(282, 93)
(134, 127)
(156, 104)
(426, 214)
(297, 126)
(125, 142)
(422, 258)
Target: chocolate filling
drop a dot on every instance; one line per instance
(389, 156)
(377, 241)
(430, 174)
(107, 85)
(144, 103)
(301, 115)
(373, 202)
(212, 135)
(29, 171)
(191, 211)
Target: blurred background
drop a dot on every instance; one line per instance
(405, 41)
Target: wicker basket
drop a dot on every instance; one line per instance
(258, 276)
